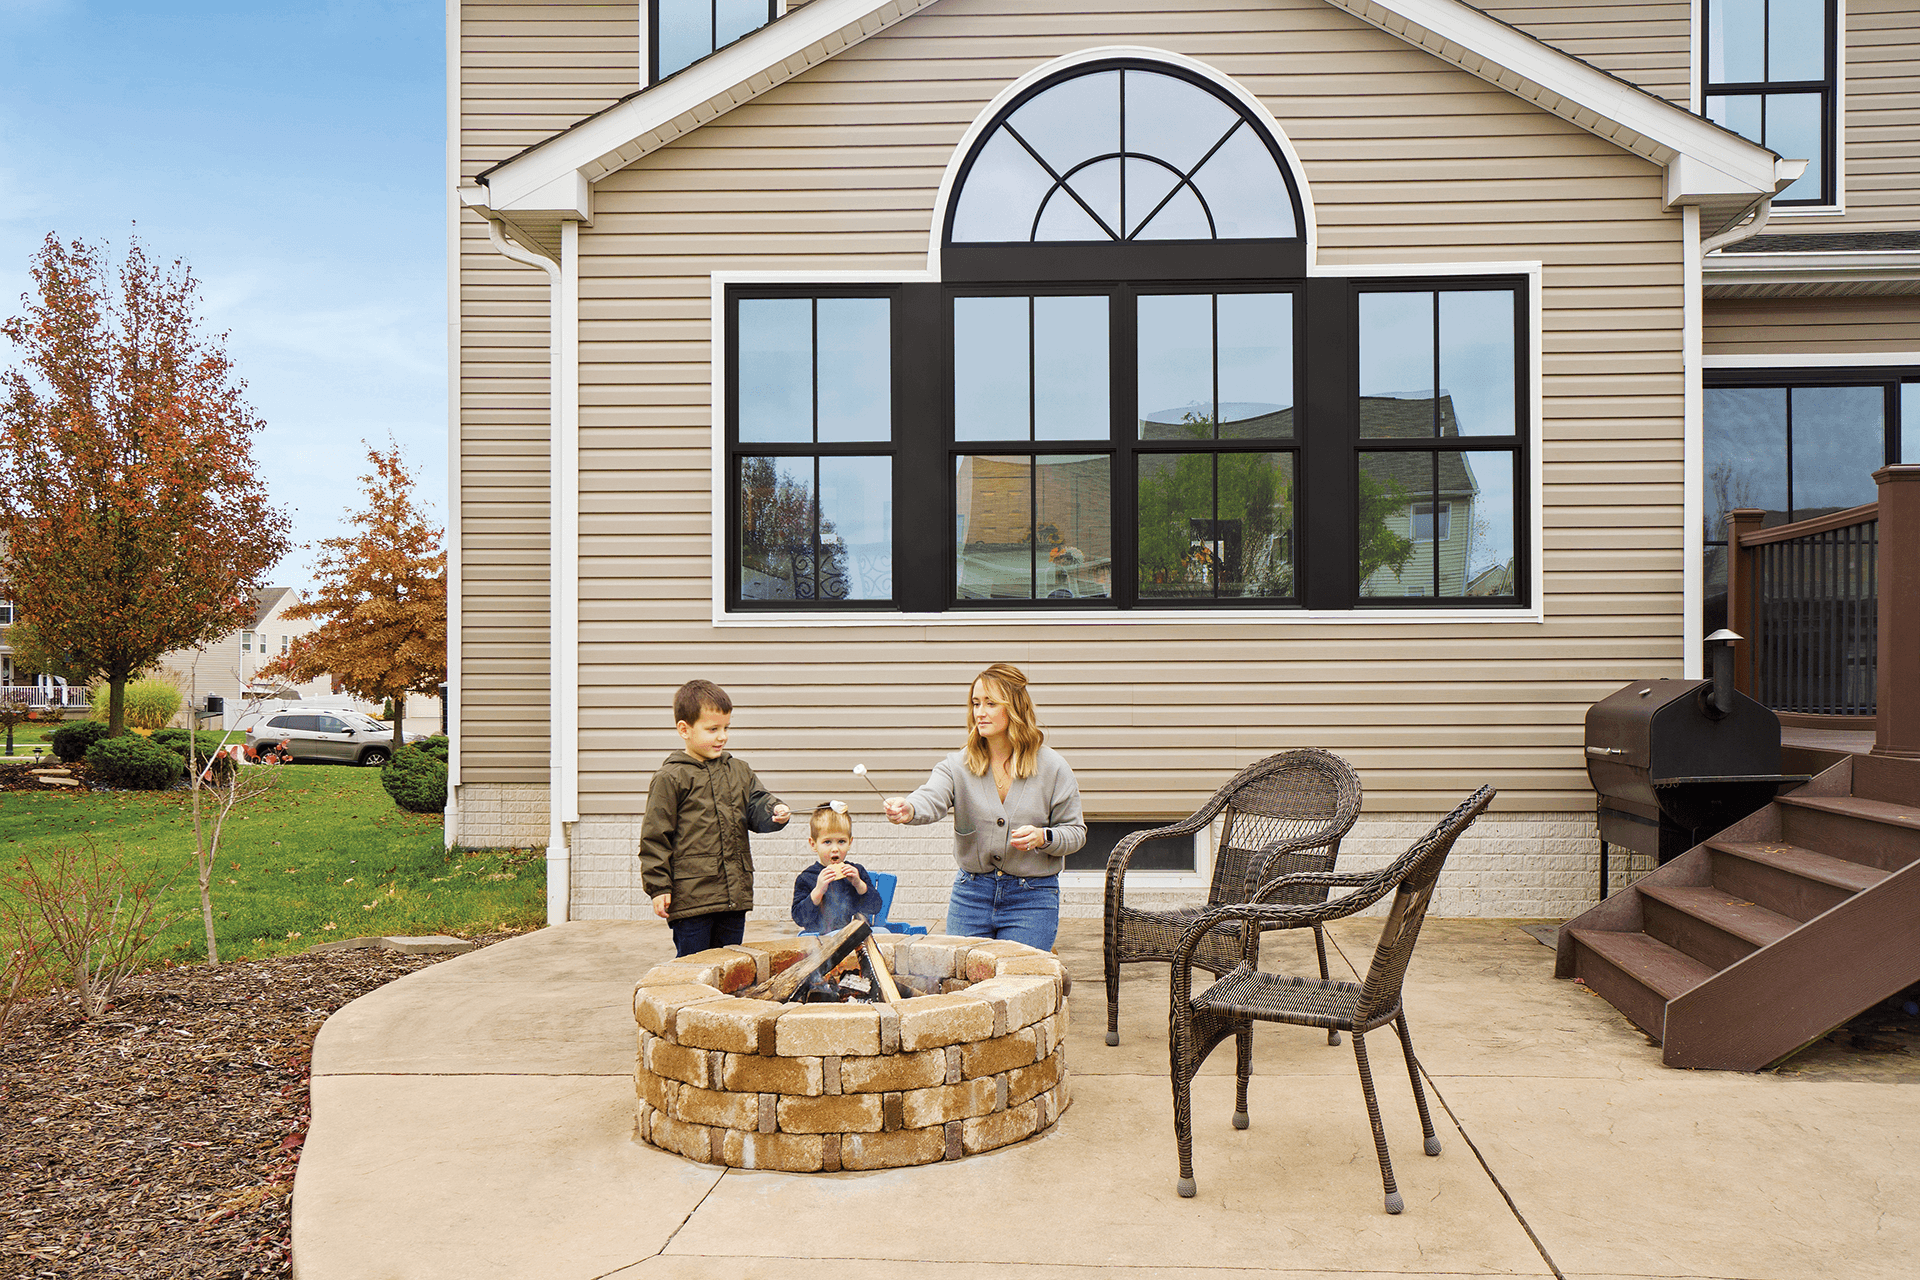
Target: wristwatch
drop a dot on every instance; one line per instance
(1048, 842)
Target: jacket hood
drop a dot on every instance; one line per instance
(686, 757)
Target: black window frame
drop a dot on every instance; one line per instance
(1325, 442)
(1827, 87)
(713, 22)
(1518, 443)
(736, 449)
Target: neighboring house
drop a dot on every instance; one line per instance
(228, 667)
(790, 352)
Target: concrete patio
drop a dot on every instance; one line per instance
(474, 1119)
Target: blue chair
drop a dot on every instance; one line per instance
(884, 883)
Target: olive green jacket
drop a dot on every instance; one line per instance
(693, 840)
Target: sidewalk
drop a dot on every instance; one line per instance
(474, 1120)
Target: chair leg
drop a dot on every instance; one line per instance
(1243, 1046)
(1320, 946)
(1419, 1094)
(1182, 1109)
(1394, 1203)
(1113, 993)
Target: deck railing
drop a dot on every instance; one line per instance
(1830, 612)
(42, 698)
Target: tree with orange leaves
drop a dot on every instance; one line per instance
(135, 520)
(383, 596)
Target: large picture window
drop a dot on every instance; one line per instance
(1098, 410)
(1771, 71)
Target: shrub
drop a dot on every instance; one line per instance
(206, 742)
(94, 921)
(386, 710)
(135, 763)
(72, 742)
(148, 703)
(416, 781)
(436, 746)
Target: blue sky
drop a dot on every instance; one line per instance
(293, 152)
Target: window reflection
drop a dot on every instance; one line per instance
(816, 529)
(1214, 525)
(1029, 528)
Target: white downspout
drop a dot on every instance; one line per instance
(1692, 467)
(450, 823)
(1741, 230)
(563, 385)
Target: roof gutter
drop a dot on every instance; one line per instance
(563, 510)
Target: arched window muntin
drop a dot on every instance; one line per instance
(1125, 252)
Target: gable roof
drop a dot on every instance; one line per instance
(1705, 164)
(265, 601)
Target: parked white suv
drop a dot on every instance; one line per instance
(326, 734)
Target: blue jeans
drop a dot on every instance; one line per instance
(698, 933)
(985, 905)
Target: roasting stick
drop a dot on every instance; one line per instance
(860, 771)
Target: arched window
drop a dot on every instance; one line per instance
(1124, 391)
(1124, 153)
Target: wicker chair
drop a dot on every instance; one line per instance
(1284, 814)
(1243, 996)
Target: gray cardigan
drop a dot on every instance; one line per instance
(982, 824)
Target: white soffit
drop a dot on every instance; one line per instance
(1704, 163)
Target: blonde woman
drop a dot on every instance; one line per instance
(1016, 816)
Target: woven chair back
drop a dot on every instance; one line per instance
(1288, 796)
(1418, 870)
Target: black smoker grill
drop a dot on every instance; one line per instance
(1674, 761)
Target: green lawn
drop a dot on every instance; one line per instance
(326, 855)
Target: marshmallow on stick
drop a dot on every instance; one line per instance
(860, 771)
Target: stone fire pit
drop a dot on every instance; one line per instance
(812, 1088)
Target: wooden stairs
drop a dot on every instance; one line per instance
(1774, 932)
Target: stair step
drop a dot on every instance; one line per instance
(1901, 815)
(1667, 972)
(1635, 973)
(1747, 921)
(1807, 863)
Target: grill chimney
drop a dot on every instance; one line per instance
(1719, 693)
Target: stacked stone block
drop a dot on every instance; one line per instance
(819, 1088)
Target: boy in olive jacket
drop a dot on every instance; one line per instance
(694, 860)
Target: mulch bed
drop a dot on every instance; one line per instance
(16, 774)
(161, 1139)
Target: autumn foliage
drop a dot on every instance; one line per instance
(383, 599)
(135, 520)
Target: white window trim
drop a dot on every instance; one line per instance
(1698, 98)
(1214, 618)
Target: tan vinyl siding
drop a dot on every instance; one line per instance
(1645, 42)
(1789, 327)
(1410, 161)
(527, 71)
(1883, 117)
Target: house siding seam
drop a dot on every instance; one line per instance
(1410, 161)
